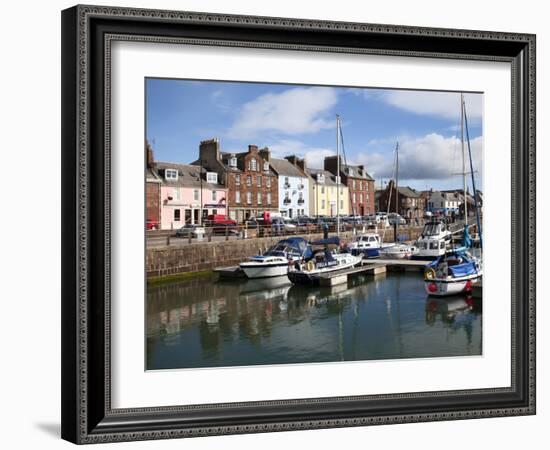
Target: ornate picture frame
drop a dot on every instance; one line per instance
(87, 35)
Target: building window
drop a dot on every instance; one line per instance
(323, 204)
(259, 198)
(249, 198)
(248, 180)
(287, 183)
(354, 185)
(237, 180)
(177, 213)
(254, 165)
(214, 196)
(322, 191)
(367, 187)
(177, 191)
(233, 162)
(360, 198)
(266, 166)
(212, 177)
(196, 195)
(342, 204)
(354, 197)
(269, 197)
(268, 182)
(259, 181)
(171, 174)
(237, 197)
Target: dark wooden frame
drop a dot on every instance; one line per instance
(87, 31)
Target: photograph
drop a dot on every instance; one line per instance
(297, 224)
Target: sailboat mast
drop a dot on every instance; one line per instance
(463, 157)
(337, 175)
(396, 177)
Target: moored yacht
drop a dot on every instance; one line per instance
(275, 261)
(452, 273)
(433, 241)
(323, 260)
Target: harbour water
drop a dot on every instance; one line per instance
(204, 322)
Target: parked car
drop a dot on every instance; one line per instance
(282, 224)
(394, 218)
(220, 224)
(152, 225)
(192, 230)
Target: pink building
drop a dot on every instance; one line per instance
(188, 196)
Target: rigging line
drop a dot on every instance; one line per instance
(473, 178)
(346, 165)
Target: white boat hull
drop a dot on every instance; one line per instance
(264, 270)
(442, 288)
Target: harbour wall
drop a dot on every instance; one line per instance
(201, 256)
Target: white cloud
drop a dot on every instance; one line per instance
(431, 157)
(294, 111)
(314, 156)
(430, 103)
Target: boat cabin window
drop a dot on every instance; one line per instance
(432, 229)
(433, 245)
(372, 239)
(442, 245)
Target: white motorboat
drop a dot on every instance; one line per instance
(274, 263)
(265, 266)
(433, 241)
(321, 262)
(369, 245)
(452, 273)
(398, 251)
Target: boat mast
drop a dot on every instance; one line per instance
(396, 223)
(476, 206)
(337, 175)
(463, 157)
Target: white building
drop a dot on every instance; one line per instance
(293, 186)
(444, 203)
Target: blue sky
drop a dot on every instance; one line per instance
(300, 119)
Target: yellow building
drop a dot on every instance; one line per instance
(323, 194)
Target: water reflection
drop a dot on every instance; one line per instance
(209, 323)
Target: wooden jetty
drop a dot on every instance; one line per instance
(371, 267)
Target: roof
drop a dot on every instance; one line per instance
(286, 168)
(188, 175)
(151, 176)
(330, 179)
(358, 172)
(408, 192)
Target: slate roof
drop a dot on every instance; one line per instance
(284, 167)
(408, 192)
(188, 175)
(357, 172)
(330, 179)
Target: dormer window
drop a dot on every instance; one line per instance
(171, 174)
(266, 166)
(212, 177)
(320, 178)
(233, 161)
(350, 172)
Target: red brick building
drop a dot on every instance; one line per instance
(152, 191)
(251, 182)
(360, 185)
(412, 204)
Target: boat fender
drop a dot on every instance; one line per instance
(310, 266)
(429, 274)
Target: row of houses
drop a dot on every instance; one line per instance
(413, 204)
(251, 183)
